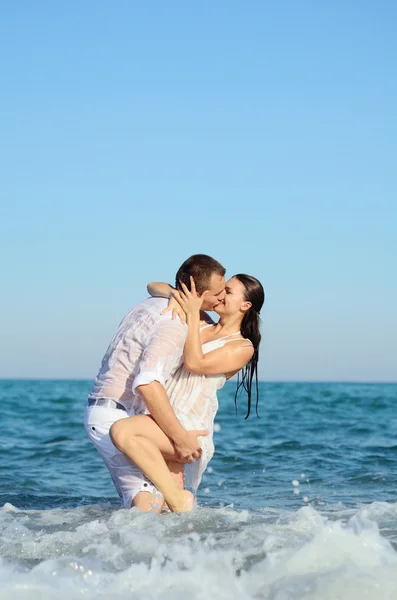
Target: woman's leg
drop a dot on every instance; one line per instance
(177, 472)
(142, 440)
(148, 502)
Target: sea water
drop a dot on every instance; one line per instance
(299, 503)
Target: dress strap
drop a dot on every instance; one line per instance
(230, 335)
(234, 339)
(225, 337)
(238, 339)
(206, 326)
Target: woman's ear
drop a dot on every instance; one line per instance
(246, 306)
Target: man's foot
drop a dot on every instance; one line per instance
(183, 502)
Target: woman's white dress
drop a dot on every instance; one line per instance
(194, 400)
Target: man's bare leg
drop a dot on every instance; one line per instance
(148, 502)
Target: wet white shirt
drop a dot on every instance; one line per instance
(146, 347)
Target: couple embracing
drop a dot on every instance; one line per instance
(150, 413)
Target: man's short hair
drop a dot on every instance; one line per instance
(201, 267)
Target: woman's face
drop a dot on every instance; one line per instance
(234, 299)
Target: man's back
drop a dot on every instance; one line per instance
(147, 346)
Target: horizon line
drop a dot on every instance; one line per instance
(91, 379)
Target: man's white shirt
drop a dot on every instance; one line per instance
(146, 347)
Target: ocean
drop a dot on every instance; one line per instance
(299, 503)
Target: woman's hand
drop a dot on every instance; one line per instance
(177, 310)
(189, 301)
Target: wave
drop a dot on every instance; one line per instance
(98, 550)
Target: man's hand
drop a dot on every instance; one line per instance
(188, 447)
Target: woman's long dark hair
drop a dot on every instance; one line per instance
(255, 294)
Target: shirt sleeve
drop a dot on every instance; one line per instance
(163, 353)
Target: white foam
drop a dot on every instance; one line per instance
(211, 553)
(378, 511)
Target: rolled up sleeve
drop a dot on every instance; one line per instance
(163, 352)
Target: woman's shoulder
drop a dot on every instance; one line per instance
(240, 342)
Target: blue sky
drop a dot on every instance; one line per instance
(263, 133)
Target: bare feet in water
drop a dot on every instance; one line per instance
(182, 502)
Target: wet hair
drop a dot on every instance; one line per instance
(201, 267)
(255, 294)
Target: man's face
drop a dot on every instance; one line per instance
(216, 292)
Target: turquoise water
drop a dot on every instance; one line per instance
(299, 503)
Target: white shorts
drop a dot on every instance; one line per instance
(127, 477)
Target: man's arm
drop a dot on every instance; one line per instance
(161, 357)
(185, 442)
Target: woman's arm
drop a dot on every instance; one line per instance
(159, 289)
(226, 360)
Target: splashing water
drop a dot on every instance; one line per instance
(62, 533)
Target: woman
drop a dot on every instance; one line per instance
(213, 353)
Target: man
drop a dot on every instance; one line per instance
(145, 351)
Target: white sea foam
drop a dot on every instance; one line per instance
(215, 554)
